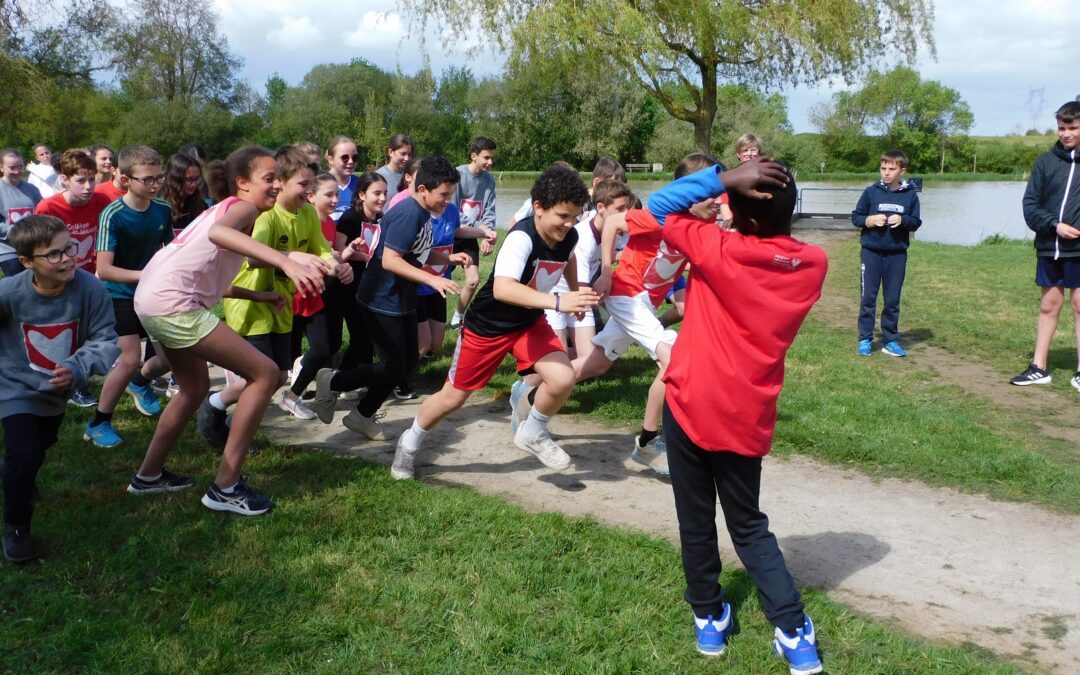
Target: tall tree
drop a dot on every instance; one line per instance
(693, 45)
(923, 117)
(171, 51)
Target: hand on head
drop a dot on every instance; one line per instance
(760, 172)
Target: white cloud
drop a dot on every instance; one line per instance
(295, 34)
(375, 28)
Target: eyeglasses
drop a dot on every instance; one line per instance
(347, 158)
(56, 255)
(194, 180)
(150, 180)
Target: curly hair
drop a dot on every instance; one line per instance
(559, 184)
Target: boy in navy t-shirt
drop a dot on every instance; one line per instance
(387, 299)
(507, 316)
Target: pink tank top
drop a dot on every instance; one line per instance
(191, 272)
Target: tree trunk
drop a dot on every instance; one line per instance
(706, 116)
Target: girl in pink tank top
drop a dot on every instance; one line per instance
(179, 286)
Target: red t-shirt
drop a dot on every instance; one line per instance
(109, 190)
(82, 223)
(746, 300)
(313, 304)
(647, 263)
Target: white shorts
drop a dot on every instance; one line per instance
(633, 319)
(562, 320)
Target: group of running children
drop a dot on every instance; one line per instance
(286, 246)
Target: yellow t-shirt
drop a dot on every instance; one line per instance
(285, 232)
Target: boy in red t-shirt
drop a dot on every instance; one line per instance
(79, 206)
(749, 292)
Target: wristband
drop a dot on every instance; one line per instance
(556, 301)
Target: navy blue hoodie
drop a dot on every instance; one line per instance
(1053, 196)
(904, 201)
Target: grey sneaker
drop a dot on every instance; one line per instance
(653, 454)
(368, 426)
(402, 468)
(166, 482)
(325, 401)
(544, 449)
(211, 424)
(18, 546)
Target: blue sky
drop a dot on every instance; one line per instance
(994, 54)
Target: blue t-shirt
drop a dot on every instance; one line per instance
(442, 239)
(407, 230)
(345, 197)
(133, 237)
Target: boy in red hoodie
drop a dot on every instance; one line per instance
(748, 294)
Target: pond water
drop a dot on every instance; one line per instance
(952, 213)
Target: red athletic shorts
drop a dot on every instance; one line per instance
(476, 358)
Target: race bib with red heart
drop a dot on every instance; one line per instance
(471, 211)
(439, 270)
(546, 274)
(49, 346)
(17, 213)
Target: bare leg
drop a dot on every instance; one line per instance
(654, 404)
(423, 337)
(438, 334)
(557, 382)
(193, 377)
(472, 280)
(117, 379)
(440, 404)
(1049, 309)
(583, 345)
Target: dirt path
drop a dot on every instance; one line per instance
(937, 563)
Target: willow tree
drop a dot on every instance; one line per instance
(680, 50)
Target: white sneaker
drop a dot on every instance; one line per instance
(455, 321)
(296, 407)
(173, 389)
(404, 459)
(544, 449)
(653, 454)
(519, 404)
(295, 371)
(368, 426)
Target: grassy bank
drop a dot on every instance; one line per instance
(354, 572)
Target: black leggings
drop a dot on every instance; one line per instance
(395, 342)
(26, 438)
(698, 477)
(324, 340)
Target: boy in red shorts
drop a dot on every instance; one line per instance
(749, 292)
(507, 316)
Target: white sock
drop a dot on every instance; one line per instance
(216, 403)
(148, 479)
(536, 425)
(413, 437)
(229, 490)
(458, 316)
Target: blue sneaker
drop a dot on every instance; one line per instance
(800, 649)
(893, 348)
(519, 403)
(865, 348)
(712, 634)
(144, 398)
(242, 500)
(102, 435)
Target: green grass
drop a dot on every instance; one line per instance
(980, 301)
(354, 572)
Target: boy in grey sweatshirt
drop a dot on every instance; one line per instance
(56, 330)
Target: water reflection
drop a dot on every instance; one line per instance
(953, 213)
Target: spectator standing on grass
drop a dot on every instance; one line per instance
(887, 213)
(43, 175)
(17, 200)
(1052, 211)
(341, 159)
(475, 199)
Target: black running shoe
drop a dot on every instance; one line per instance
(405, 393)
(166, 482)
(242, 500)
(1033, 375)
(18, 546)
(211, 424)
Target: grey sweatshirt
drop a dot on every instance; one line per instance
(475, 197)
(74, 329)
(15, 204)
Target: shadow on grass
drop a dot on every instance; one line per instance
(916, 336)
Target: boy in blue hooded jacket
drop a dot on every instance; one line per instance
(887, 212)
